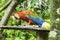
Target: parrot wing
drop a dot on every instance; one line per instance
(36, 20)
(31, 13)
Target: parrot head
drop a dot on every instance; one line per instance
(15, 16)
(46, 25)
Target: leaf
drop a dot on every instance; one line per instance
(17, 38)
(9, 39)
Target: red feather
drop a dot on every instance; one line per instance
(22, 16)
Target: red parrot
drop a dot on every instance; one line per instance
(22, 15)
(32, 18)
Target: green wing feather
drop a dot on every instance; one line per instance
(34, 15)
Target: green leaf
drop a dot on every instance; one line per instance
(17, 38)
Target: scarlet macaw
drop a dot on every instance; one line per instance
(21, 15)
(32, 18)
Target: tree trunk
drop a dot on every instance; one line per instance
(55, 16)
(42, 35)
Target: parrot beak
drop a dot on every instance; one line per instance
(15, 16)
(46, 25)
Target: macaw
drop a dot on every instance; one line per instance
(38, 21)
(32, 18)
(21, 15)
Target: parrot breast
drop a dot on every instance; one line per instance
(22, 15)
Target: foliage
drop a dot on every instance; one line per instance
(19, 34)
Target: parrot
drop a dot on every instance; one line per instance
(39, 21)
(21, 15)
(32, 18)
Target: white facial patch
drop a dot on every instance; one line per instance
(17, 16)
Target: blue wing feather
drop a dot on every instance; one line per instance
(36, 20)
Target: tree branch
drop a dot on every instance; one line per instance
(6, 5)
(6, 15)
(35, 28)
(8, 12)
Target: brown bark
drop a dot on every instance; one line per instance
(42, 35)
(24, 28)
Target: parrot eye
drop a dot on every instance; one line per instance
(16, 16)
